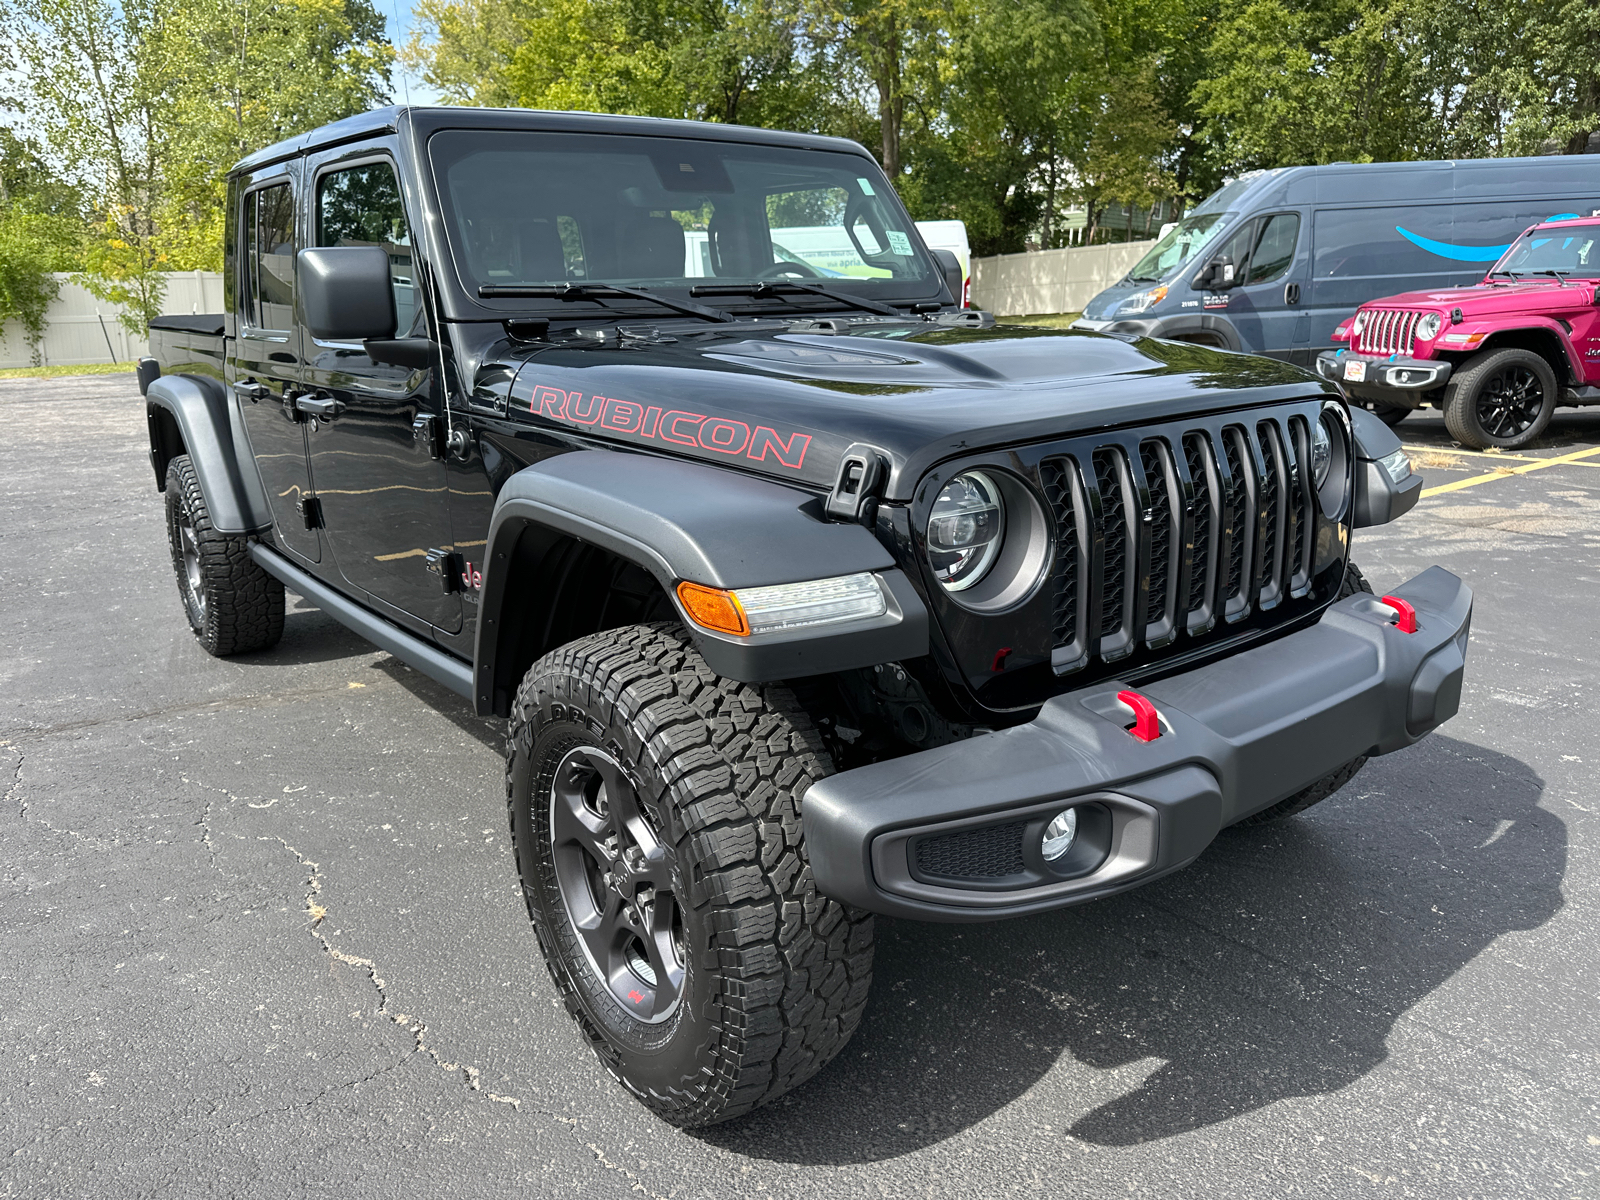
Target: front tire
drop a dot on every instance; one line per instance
(1390, 414)
(654, 812)
(233, 606)
(1502, 398)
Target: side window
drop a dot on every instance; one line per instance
(1275, 251)
(269, 258)
(360, 206)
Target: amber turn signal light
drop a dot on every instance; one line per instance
(713, 608)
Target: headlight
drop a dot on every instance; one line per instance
(1428, 327)
(965, 530)
(1360, 322)
(1140, 301)
(1321, 452)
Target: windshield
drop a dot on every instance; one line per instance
(1571, 251)
(527, 208)
(1184, 241)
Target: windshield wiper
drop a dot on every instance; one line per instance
(1513, 274)
(590, 291)
(1561, 276)
(763, 289)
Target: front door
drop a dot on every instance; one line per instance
(264, 361)
(377, 460)
(1266, 306)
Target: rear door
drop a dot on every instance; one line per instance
(264, 367)
(377, 459)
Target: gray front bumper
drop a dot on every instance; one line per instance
(1394, 379)
(1237, 736)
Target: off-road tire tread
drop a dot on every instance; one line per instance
(1460, 400)
(1354, 581)
(791, 968)
(244, 604)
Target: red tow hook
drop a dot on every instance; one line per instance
(1408, 615)
(1146, 724)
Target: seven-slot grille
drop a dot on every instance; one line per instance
(1177, 531)
(1388, 331)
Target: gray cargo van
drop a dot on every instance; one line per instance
(1272, 262)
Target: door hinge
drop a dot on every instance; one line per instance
(862, 474)
(311, 511)
(425, 429)
(448, 566)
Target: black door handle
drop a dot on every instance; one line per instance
(1291, 293)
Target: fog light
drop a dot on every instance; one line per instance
(1060, 834)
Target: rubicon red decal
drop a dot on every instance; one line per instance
(674, 426)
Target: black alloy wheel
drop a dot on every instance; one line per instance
(616, 878)
(1509, 402)
(1502, 398)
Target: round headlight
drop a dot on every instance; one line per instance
(965, 530)
(1360, 322)
(1428, 327)
(1321, 451)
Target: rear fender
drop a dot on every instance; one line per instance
(193, 415)
(686, 521)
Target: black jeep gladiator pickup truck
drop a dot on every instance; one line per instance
(807, 595)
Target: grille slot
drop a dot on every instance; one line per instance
(1229, 531)
(989, 852)
(1114, 531)
(1054, 473)
(1152, 455)
(1202, 574)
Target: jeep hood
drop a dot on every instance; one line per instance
(789, 404)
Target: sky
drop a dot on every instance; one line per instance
(408, 88)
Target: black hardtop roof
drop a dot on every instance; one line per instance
(430, 120)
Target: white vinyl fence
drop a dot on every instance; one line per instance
(1050, 281)
(79, 329)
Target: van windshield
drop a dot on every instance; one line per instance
(1184, 241)
(1571, 251)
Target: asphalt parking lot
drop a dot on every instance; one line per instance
(262, 937)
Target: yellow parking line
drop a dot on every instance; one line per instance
(1454, 450)
(1537, 464)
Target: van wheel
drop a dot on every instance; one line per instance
(1503, 398)
(233, 606)
(655, 814)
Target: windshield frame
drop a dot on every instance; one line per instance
(460, 284)
(1541, 234)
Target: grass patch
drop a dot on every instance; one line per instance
(1051, 320)
(66, 372)
(1434, 458)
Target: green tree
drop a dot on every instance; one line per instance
(41, 233)
(145, 106)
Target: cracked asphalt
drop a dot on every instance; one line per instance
(262, 938)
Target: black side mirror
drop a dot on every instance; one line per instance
(950, 267)
(1218, 275)
(345, 293)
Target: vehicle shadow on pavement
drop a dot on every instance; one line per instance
(1275, 966)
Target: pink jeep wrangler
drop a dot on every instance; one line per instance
(1497, 357)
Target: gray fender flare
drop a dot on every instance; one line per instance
(689, 521)
(1181, 326)
(193, 415)
(1378, 498)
